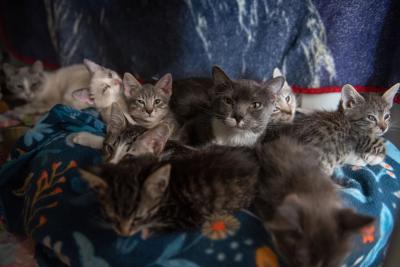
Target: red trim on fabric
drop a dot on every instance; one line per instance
(27, 60)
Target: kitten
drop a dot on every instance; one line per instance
(105, 88)
(300, 207)
(240, 111)
(123, 139)
(349, 135)
(148, 105)
(175, 194)
(286, 103)
(42, 89)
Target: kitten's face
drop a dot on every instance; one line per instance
(124, 139)
(148, 104)
(370, 112)
(285, 105)
(105, 87)
(311, 235)
(26, 82)
(244, 104)
(129, 195)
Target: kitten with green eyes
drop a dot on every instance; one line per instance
(148, 104)
(237, 114)
(286, 103)
(350, 135)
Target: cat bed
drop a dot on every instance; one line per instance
(44, 198)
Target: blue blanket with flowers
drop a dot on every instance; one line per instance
(43, 197)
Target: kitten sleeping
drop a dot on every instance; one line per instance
(286, 103)
(105, 88)
(42, 89)
(301, 208)
(349, 135)
(239, 113)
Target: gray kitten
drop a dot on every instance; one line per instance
(148, 104)
(299, 205)
(349, 135)
(239, 112)
(286, 103)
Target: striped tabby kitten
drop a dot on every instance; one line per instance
(286, 103)
(178, 193)
(349, 135)
(301, 208)
(239, 112)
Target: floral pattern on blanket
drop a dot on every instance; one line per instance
(44, 199)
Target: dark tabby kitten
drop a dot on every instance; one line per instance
(240, 111)
(179, 193)
(349, 135)
(300, 207)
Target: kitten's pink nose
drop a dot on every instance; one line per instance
(149, 111)
(382, 127)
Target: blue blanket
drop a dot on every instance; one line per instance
(43, 196)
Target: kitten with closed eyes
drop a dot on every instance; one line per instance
(179, 193)
(105, 88)
(43, 89)
(299, 205)
(350, 135)
(239, 112)
(286, 103)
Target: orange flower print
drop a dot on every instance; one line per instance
(265, 257)
(391, 174)
(368, 234)
(386, 166)
(220, 227)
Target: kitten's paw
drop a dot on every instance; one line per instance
(377, 153)
(373, 159)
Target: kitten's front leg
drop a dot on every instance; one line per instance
(32, 108)
(87, 139)
(372, 149)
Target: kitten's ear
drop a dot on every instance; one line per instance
(95, 182)
(287, 217)
(277, 73)
(9, 69)
(350, 97)
(165, 84)
(37, 67)
(219, 76)
(156, 184)
(349, 221)
(117, 120)
(153, 141)
(92, 67)
(131, 85)
(83, 95)
(274, 85)
(389, 95)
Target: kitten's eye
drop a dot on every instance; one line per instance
(287, 98)
(157, 101)
(141, 102)
(276, 110)
(386, 117)
(256, 105)
(20, 86)
(108, 148)
(228, 101)
(34, 85)
(371, 118)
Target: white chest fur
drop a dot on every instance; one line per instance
(224, 135)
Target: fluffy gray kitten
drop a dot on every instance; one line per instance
(351, 135)
(238, 114)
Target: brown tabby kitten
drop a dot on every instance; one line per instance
(239, 113)
(178, 193)
(301, 208)
(349, 135)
